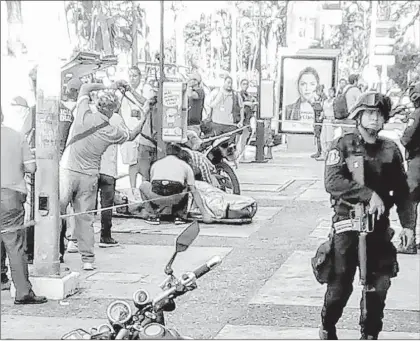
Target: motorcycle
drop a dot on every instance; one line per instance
(148, 322)
(218, 151)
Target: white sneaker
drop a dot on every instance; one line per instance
(72, 247)
(88, 266)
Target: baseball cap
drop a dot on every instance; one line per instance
(74, 83)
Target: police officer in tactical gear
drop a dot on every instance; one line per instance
(411, 142)
(381, 168)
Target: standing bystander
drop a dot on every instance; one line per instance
(90, 136)
(196, 99)
(108, 174)
(227, 112)
(16, 159)
(137, 154)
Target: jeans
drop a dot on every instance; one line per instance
(106, 186)
(413, 178)
(175, 205)
(381, 256)
(80, 190)
(13, 242)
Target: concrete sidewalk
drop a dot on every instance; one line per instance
(264, 287)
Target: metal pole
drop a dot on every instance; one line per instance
(47, 203)
(159, 119)
(373, 37)
(259, 155)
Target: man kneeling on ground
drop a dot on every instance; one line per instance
(171, 179)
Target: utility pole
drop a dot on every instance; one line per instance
(372, 43)
(47, 201)
(47, 279)
(259, 155)
(161, 152)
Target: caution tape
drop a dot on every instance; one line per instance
(316, 124)
(225, 134)
(33, 223)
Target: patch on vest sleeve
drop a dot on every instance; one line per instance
(333, 157)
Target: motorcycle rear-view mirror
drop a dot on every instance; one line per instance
(183, 242)
(186, 237)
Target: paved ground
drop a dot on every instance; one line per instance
(263, 289)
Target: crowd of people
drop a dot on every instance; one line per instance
(98, 121)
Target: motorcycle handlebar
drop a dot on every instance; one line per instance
(197, 273)
(205, 268)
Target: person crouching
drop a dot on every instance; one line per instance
(171, 179)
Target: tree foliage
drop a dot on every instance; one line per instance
(120, 18)
(407, 61)
(351, 37)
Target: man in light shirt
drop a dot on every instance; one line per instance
(90, 136)
(227, 112)
(16, 160)
(137, 154)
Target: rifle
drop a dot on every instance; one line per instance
(363, 222)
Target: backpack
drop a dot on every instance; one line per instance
(340, 105)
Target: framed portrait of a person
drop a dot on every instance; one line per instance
(299, 78)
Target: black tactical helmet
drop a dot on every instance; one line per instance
(369, 101)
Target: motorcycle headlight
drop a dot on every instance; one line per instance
(119, 312)
(105, 328)
(78, 334)
(141, 298)
(154, 331)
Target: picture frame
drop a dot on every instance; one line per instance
(299, 76)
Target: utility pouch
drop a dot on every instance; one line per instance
(322, 263)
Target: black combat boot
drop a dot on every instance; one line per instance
(368, 337)
(327, 335)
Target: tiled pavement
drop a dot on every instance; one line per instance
(265, 287)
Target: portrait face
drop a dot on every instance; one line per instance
(307, 86)
(306, 73)
(134, 78)
(372, 119)
(244, 85)
(331, 93)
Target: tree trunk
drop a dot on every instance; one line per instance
(14, 20)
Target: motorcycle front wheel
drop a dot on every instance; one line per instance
(227, 173)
